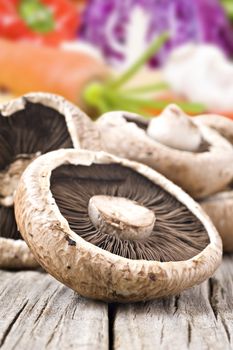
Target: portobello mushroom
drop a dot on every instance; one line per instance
(220, 205)
(174, 144)
(113, 229)
(223, 125)
(30, 126)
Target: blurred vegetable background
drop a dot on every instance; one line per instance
(118, 27)
(43, 21)
(137, 55)
(228, 6)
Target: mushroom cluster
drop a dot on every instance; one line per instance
(113, 229)
(174, 144)
(30, 126)
(195, 153)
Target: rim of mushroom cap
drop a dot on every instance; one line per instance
(219, 207)
(220, 123)
(80, 126)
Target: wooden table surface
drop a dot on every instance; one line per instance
(37, 312)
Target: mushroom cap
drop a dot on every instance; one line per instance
(124, 134)
(219, 207)
(82, 130)
(223, 125)
(15, 253)
(92, 271)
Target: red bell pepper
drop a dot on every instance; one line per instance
(44, 21)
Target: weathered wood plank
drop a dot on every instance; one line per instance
(37, 312)
(201, 318)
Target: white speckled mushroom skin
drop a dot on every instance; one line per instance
(16, 254)
(200, 173)
(219, 207)
(89, 270)
(221, 124)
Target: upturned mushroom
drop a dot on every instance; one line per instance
(173, 144)
(220, 206)
(30, 126)
(113, 229)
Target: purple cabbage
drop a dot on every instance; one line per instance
(105, 24)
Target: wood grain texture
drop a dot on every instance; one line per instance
(200, 318)
(37, 312)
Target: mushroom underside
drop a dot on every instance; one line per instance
(176, 234)
(24, 135)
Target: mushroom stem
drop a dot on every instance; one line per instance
(175, 129)
(121, 217)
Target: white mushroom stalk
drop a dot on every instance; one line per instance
(175, 129)
(121, 216)
(201, 73)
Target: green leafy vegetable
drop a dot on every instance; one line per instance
(228, 5)
(37, 16)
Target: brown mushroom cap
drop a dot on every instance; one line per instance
(124, 134)
(16, 254)
(65, 247)
(29, 126)
(223, 125)
(219, 207)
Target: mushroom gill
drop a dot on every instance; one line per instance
(176, 233)
(24, 135)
